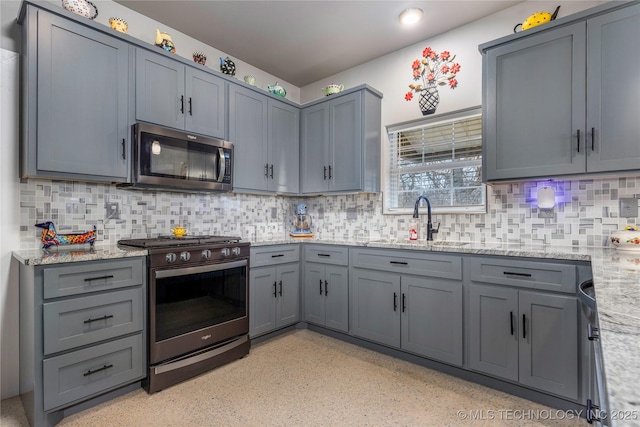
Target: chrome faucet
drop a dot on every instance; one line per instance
(430, 230)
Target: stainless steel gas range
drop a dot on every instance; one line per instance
(198, 305)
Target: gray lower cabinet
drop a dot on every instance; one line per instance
(326, 286)
(420, 311)
(326, 295)
(170, 93)
(563, 121)
(340, 146)
(75, 100)
(520, 334)
(266, 136)
(80, 341)
(274, 288)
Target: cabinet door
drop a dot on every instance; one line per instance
(314, 300)
(315, 148)
(205, 105)
(284, 143)
(534, 103)
(248, 132)
(375, 306)
(613, 91)
(262, 297)
(493, 330)
(432, 318)
(549, 346)
(337, 298)
(288, 311)
(82, 101)
(159, 89)
(345, 153)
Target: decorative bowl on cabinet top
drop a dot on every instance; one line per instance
(118, 24)
(276, 89)
(332, 88)
(627, 239)
(81, 7)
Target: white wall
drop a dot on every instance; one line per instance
(9, 222)
(391, 74)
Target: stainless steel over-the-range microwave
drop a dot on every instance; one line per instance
(174, 160)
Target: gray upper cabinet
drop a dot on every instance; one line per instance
(175, 95)
(613, 91)
(76, 98)
(340, 147)
(265, 133)
(570, 113)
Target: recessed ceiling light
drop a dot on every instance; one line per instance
(411, 16)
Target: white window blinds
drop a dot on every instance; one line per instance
(439, 158)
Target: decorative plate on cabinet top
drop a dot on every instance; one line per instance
(627, 239)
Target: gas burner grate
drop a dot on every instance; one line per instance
(168, 241)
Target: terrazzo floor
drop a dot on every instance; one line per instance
(306, 379)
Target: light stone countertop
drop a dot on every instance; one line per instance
(616, 278)
(77, 254)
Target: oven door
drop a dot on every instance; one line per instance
(195, 307)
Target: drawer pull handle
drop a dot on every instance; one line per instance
(325, 255)
(395, 302)
(326, 288)
(591, 411)
(593, 139)
(108, 316)
(277, 256)
(280, 292)
(89, 279)
(275, 289)
(399, 262)
(511, 273)
(578, 140)
(404, 302)
(89, 372)
(524, 327)
(320, 286)
(511, 321)
(592, 332)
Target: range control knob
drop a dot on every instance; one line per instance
(235, 251)
(225, 251)
(185, 256)
(206, 254)
(171, 257)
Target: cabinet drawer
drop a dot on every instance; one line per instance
(409, 262)
(278, 254)
(540, 275)
(88, 277)
(86, 320)
(82, 373)
(326, 254)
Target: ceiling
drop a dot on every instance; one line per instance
(305, 41)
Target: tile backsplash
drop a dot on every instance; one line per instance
(586, 213)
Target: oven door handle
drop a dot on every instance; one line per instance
(162, 274)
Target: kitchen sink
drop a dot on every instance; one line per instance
(438, 243)
(447, 243)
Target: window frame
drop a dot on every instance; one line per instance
(423, 122)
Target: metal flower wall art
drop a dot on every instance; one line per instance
(429, 72)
